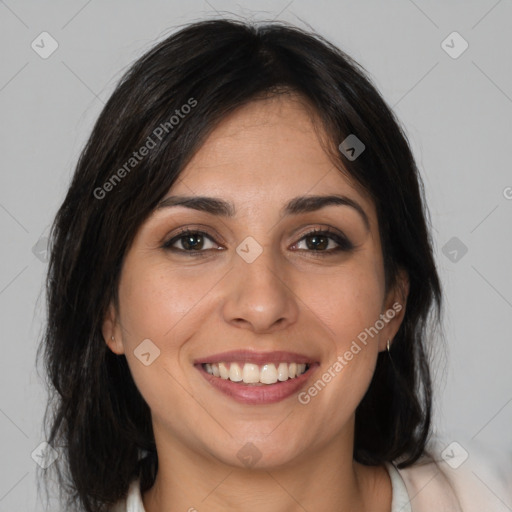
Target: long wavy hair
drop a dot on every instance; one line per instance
(95, 414)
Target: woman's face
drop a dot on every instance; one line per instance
(253, 292)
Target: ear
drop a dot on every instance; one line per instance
(111, 331)
(394, 309)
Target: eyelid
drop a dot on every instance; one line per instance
(342, 240)
(194, 228)
(318, 228)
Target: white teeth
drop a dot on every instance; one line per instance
(282, 372)
(224, 372)
(235, 374)
(268, 374)
(250, 373)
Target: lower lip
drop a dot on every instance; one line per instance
(253, 394)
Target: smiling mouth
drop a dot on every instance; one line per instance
(256, 374)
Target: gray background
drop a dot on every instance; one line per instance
(456, 113)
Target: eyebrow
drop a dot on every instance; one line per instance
(297, 205)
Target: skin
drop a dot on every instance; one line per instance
(290, 298)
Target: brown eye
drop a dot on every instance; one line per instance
(190, 241)
(325, 241)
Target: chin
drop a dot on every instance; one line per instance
(258, 453)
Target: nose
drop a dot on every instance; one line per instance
(258, 296)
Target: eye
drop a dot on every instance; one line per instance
(324, 240)
(190, 241)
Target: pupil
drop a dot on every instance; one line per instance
(318, 242)
(193, 241)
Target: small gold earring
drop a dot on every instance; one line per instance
(112, 338)
(388, 345)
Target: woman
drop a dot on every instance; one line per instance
(240, 282)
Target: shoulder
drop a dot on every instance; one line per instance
(452, 477)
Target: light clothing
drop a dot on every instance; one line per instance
(400, 497)
(427, 486)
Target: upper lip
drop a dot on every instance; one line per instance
(250, 356)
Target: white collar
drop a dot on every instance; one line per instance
(400, 502)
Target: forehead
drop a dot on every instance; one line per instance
(265, 153)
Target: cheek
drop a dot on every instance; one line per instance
(347, 301)
(155, 299)
(155, 303)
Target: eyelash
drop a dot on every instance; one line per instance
(344, 243)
